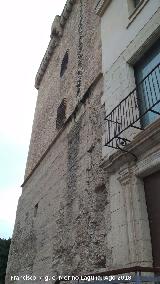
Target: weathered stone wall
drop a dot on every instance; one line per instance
(63, 216)
(81, 37)
(68, 234)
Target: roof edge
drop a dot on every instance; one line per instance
(56, 33)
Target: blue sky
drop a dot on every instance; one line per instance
(25, 32)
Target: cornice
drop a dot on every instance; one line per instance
(101, 6)
(56, 33)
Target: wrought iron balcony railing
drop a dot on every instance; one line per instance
(138, 109)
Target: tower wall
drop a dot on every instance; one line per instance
(63, 214)
(81, 37)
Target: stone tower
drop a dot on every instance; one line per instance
(62, 213)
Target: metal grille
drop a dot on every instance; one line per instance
(64, 64)
(130, 113)
(61, 114)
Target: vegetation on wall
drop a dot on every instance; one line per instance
(4, 250)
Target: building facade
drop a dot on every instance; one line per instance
(130, 32)
(60, 224)
(90, 197)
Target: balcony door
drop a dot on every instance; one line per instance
(147, 70)
(152, 194)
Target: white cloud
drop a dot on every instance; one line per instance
(9, 196)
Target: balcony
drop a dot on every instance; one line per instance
(139, 109)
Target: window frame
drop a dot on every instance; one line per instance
(133, 10)
(146, 64)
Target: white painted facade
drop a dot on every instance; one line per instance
(118, 29)
(127, 33)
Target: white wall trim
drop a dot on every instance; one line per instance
(148, 165)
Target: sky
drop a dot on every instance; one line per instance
(24, 36)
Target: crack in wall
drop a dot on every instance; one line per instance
(80, 50)
(73, 150)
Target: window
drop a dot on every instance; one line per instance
(35, 210)
(134, 8)
(147, 71)
(64, 64)
(61, 114)
(136, 2)
(141, 106)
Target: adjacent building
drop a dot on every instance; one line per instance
(130, 33)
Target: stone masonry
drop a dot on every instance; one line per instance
(63, 215)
